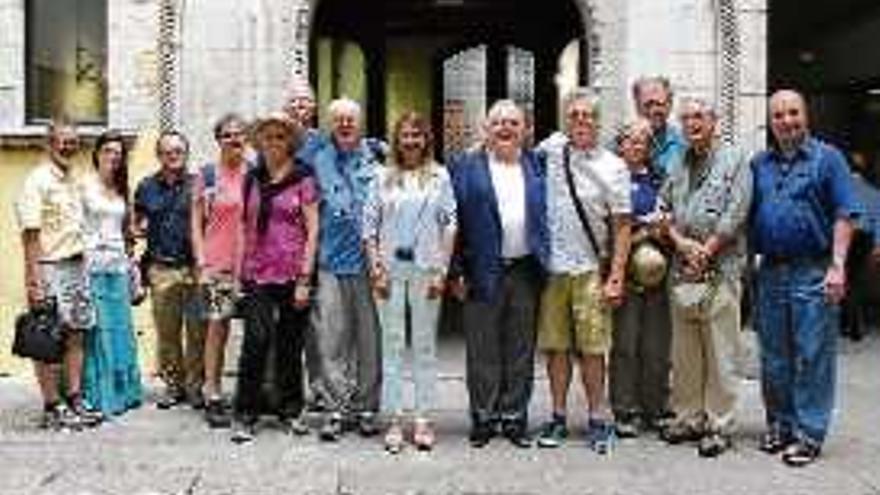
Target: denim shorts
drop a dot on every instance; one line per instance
(66, 281)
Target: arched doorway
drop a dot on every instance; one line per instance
(445, 58)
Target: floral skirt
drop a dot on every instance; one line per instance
(111, 374)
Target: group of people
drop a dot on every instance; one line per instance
(627, 261)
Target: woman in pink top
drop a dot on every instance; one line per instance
(216, 229)
(280, 238)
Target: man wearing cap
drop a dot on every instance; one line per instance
(802, 225)
(345, 320)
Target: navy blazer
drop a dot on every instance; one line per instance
(478, 257)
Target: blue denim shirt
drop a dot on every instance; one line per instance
(166, 206)
(667, 149)
(798, 199)
(344, 182)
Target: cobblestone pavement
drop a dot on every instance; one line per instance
(149, 452)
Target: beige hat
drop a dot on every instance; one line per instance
(648, 265)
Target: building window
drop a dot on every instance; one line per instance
(66, 60)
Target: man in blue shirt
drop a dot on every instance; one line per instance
(801, 225)
(162, 212)
(344, 319)
(653, 100)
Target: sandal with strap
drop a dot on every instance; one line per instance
(394, 438)
(423, 434)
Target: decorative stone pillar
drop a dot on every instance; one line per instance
(728, 93)
(168, 45)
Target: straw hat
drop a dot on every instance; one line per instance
(648, 265)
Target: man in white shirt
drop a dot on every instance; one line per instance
(575, 319)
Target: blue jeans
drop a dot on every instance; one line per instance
(408, 286)
(798, 331)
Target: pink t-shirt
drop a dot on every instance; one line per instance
(276, 256)
(223, 206)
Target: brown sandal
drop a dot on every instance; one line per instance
(394, 438)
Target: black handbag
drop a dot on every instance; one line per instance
(39, 334)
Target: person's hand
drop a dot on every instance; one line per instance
(613, 290)
(379, 282)
(875, 257)
(302, 292)
(34, 293)
(458, 288)
(835, 283)
(436, 287)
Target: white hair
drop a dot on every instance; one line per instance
(701, 103)
(504, 107)
(344, 106)
(582, 94)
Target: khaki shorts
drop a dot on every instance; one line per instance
(573, 316)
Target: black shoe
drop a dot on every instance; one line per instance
(59, 417)
(367, 425)
(244, 430)
(713, 445)
(196, 400)
(294, 425)
(480, 435)
(331, 430)
(775, 441)
(627, 425)
(88, 418)
(520, 439)
(801, 453)
(516, 432)
(171, 398)
(216, 415)
(677, 433)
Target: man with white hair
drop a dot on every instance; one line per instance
(588, 209)
(499, 192)
(345, 321)
(708, 194)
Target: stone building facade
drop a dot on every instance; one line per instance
(182, 63)
(222, 55)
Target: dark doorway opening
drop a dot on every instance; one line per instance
(428, 54)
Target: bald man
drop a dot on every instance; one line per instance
(801, 225)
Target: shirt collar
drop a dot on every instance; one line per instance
(805, 150)
(58, 172)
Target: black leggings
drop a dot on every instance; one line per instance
(270, 323)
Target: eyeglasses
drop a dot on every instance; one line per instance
(231, 134)
(173, 151)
